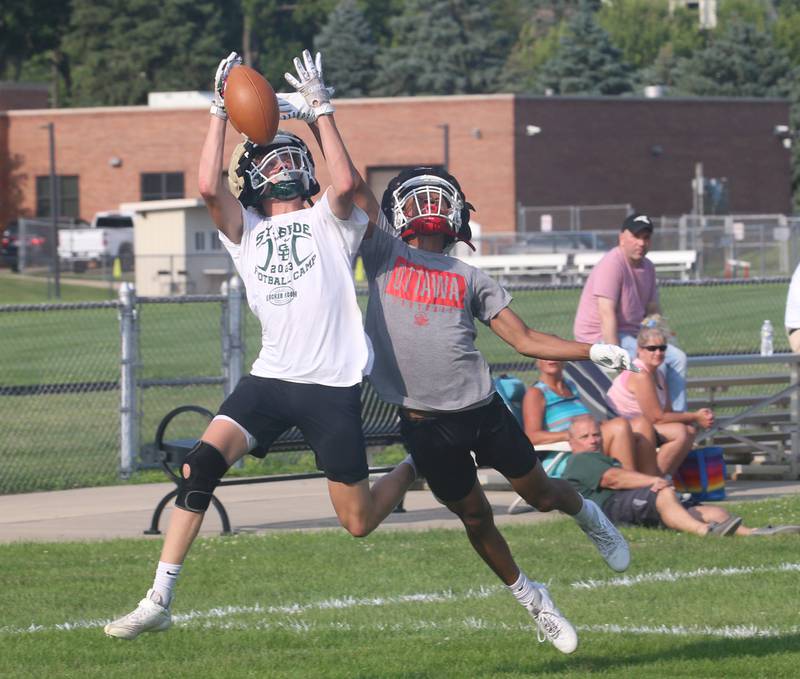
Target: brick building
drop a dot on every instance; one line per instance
(506, 150)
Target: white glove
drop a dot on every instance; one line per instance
(310, 84)
(611, 356)
(220, 79)
(294, 105)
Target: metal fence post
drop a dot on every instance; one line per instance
(235, 358)
(129, 416)
(794, 410)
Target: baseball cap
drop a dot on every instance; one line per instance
(636, 223)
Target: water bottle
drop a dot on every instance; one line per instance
(766, 338)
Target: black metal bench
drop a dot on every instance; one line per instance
(380, 424)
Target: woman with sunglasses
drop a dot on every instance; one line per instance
(645, 393)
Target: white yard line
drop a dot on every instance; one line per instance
(670, 575)
(213, 617)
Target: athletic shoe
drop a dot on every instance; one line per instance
(775, 530)
(149, 616)
(551, 625)
(606, 538)
(725, 528)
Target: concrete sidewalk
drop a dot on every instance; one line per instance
(126, 511)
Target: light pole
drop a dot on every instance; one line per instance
(446, 134)
(54, 210)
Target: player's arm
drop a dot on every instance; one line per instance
(607, 311)
(222, 206)
(529, 342)
(533, 410)
(317, 101)
(363, 195)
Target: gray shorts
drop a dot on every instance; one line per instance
(636, 507)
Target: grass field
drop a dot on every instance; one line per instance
(406, 604)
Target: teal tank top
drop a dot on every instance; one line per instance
(559, 410)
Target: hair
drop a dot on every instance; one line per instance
(652, 326)
(587, 417)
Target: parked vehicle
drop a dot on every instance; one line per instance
(110, 235)
(35, 249)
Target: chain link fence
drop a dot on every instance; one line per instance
(69, 383)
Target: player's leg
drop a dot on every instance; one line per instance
(676, 366)
(440, 446)
(679, 441)
(220, 446)
(330, 420)
(503, 445)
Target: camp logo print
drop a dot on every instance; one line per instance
(281, 295)
(288, 254)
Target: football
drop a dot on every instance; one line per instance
(251, 104)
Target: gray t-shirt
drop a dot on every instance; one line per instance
(421, 320)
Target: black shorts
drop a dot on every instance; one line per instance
(328, 417)
(441, 443)
(636, 507)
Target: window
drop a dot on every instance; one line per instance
(162, 185)
(67, 191)
(199, 240)
(216, 243)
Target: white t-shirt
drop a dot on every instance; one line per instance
(792, 316)
(297, 271)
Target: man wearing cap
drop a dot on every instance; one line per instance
(620, 291)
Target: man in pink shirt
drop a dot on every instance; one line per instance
(619, 293)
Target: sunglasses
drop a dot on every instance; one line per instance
(656, 347)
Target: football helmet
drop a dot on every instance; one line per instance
(282, 169)
(425, 201)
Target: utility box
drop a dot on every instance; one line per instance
(178, 251)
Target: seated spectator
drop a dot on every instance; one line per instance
(632, 498)
(646, 393)
(619, 292)
(550, 405)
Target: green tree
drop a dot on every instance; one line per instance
(442, 47)
(786, 30)
(120, 50)
(530, 52)
(738, 62)
(586, 61)
(349, 50)
(640, 28)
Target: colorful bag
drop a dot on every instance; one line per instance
(702, 474)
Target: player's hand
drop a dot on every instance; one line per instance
(309, 83)
(611, 356)
(293, 105)
(220, 79)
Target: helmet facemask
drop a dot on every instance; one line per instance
(283, 173)
(426, 205)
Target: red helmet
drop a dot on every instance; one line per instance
(424, 201)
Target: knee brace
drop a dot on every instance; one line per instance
(202, 469)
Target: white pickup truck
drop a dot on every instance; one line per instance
(110, 235)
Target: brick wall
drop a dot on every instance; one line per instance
(590, 151)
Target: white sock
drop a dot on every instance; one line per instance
(524, 590)
(164, 583)
(586, 513)
(410, 462)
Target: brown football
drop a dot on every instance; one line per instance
(251, 104)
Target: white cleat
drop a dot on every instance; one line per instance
(149, 616)
(552, 625)
(608, 540)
